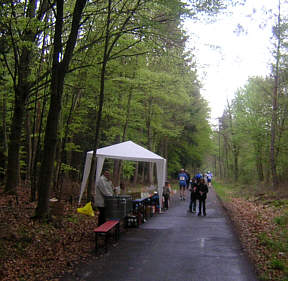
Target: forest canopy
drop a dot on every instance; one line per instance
(77, 75)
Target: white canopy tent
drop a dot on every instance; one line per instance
(125, 151)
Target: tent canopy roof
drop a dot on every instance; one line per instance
(127, 150)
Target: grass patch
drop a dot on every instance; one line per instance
(273, 236)
(225, 191)
(280, 203)
(73, 218)
(282, 220)
(277, 264)
(274, 244)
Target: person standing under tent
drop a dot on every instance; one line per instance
(182, 178)
(104, 187)
(203, 190)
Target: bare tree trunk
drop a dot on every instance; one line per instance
(4, 139)
(37, 148)
(259, 165)
(219, 150)
(59, 176)
(236, 167)
(4, 124)
(21, 89)
(136, 172)
(28, 148)
(143, 172)
(165, 148)
(235, 147)
(275, 106)
(120, 163)
(226, 158)
(57, 84)
(14, 143)
(37, 118)
(116, 168)
(101, 101)
(149, 137)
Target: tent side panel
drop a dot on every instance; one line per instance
(85, 175)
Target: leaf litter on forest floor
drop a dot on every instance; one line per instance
(32, 251)
(260, 236)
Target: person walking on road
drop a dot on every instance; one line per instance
(182, 178)
(209, 178)
(203, 190)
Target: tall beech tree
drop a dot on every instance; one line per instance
(22, 37)
(60, 67)
(276, 74)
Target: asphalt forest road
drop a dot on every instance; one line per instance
(174, 246)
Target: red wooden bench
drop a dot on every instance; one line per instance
(104, 229)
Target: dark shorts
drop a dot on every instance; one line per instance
(182, 185)
(208, 180)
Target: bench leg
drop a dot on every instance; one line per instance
(118, 231)
(96, 242)
(106, 242)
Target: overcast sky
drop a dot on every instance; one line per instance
(236, 46)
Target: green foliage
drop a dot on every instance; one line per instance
(283, 220)
(248, 122)
(277, 264)
(73, 219)
(72, 147)
(128, 169)
(281, 203)
(223, 190)
(67, 168)
(152, 93)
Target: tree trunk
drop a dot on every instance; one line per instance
(275, 106)
(37, 149)
(143, 173)
(21, 89)
(149, 137)
(62, 157)
(38, 116)
(28, 148)
(14, 143)
(57, 84)
(259, 166)
(101, 99)
(4, 124)
(116, 167)
(151, 173)
(118, 164)
(50, 143)
(4, 139)
(165, 149)
(136, 172)
(236, 167)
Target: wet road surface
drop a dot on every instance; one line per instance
(174, 246)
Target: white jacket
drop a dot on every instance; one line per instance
(104, 187)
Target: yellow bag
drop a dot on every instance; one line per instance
(86, 210)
